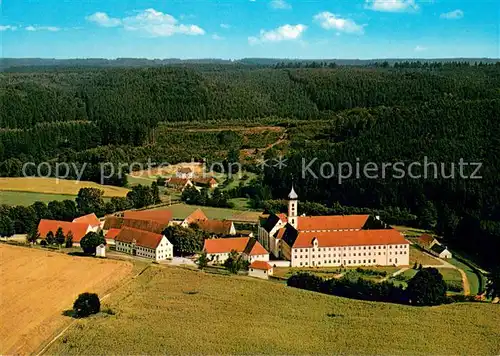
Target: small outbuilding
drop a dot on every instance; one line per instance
(260, 269)
(100, 250)
(441, 251)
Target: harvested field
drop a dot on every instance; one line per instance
(54, 186)
(38, 286)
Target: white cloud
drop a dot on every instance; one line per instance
(217, 37)
(102, 19)
(152, 22)
(280, 4)
(225, 25)
(330, 21)
(453, 15)
(42, 28)
(391, 5)
(283, 33)
(420, 49)
(7, 28)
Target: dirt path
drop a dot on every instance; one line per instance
(465, 279)
(402, 270)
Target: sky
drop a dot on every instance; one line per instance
(233, 29)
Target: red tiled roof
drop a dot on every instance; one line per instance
(178, 181)
(195, 216)
(425, 239)
(258, 249)
(142, 238)
(333, 222)
(162, 216)
(262, 265)
(205, 180)
(280, 233)
(350, 238)
(113, 222)
(226, 245)
(77, 229)
(283, 217)
(90, 219)
(112, 233)
(219, 227)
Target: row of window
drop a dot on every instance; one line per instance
(348, 262)
(353, 248)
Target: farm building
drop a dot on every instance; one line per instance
(426, 241)
(178, 183)
(195, 217)
(78, 230)
(218, 250)
(206, 182)
(441, 251)
(343, 240)
(185, 173)
(90, 219)
(110, 236)
(260, 269)
(217, 228)
(144, 244)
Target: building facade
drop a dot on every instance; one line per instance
(144, 244)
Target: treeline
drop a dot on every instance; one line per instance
(25, 219)
(426, 288)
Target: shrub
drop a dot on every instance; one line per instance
(427, 287)
(86, 304)
(454, 286)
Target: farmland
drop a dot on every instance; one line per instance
(27, 198)
(54, 186)
(37, 286)
(180, 311)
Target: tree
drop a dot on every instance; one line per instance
(86, 304)
(6, 226)
(233, 263)
(427, 287)
(33, 237)
(59, 237)
(155, 191)
(202, 260)
(140, 196)
(186, 241)
(90, 242)
(493, 285)
(89, 200)
(69, 240)
(50, 238)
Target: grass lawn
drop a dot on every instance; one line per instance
(329, 272)
(182, 210)
(471, 276)
(178, 311)
(54, 186)
(410, 231)
(418, 256)
(240, 203)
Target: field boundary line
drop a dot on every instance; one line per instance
(53, 340)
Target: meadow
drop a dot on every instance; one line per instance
(180, 211)
(26, 198)
(54, 186)
(37, 286)
(179, 311)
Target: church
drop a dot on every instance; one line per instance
(332, 241)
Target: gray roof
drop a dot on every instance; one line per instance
(292, 194)
(438, 248)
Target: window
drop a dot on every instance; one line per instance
(301, 263)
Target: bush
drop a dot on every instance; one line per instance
(454, 286)
(86, 304)
(427, 287)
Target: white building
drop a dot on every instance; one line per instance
(260, 269)
(100, 251)
(144, 244)
(441, 251)
(340, 240)
(185, 173)
(218, 250)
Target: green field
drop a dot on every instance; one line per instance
(26, 198)
(471, 276)
(180, 211)
(177, 311)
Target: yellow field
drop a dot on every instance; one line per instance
(54, 186)
(37, 286)
(169, 170)
(170, 310)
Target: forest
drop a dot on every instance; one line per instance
(402, 112)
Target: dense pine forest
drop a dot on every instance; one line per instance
(378, 113)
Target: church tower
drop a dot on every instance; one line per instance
(293, 208)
